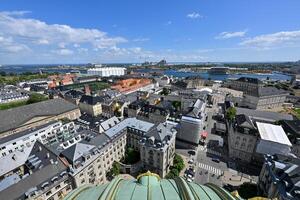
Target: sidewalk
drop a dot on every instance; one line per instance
(231, 177)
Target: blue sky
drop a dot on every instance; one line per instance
(55, 31)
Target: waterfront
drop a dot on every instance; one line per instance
(175, 73)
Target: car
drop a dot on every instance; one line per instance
(191, 161)
(190, 176)
(192, 152)
(216, 160)
(189, 180)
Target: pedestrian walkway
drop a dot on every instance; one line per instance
(204, 149)
(211, 169)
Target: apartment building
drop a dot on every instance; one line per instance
(39, 174)
(91, 157)
(48, 133)
(242, 138)
(157, 148)
(191, 125)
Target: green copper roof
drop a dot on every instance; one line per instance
(149, 186)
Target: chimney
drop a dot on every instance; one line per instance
(87, 90)
(40, 148)
(48, 155)
(14, 157)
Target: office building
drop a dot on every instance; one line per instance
(106, 71)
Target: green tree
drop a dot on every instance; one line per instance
(36, 97)
(176, 105)
(231, 113)
(116, 168)
(248, 190)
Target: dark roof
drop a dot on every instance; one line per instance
(250, 80)
(293, 124)
(39, 176)
(269, 91)
(16, 117)
(74, 93)
(260, 115)
(93, 100)
(180, 84)
(90, 141)
(160, 133)
(244, 121)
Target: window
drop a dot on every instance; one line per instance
(48, 193)
(57, 187)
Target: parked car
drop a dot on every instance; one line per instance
(216, 160)
(191, 161)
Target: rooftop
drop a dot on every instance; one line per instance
(260, 115)
(250, 80)
(16, 117)
(131, 123)
(273, 133)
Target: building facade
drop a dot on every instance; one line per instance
(106, 71)
(279, 178)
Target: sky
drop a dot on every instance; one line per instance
(111, 31)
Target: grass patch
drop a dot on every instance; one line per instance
(297, 112)
(34, 98)
(96, 85)
(5, 106)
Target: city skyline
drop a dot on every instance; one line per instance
(113, 32)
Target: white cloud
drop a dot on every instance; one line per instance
(194, 15)
(42, 41)
(63, 52)
(141, 39)
(33, 31)
(228, 35)
(274, 39)
(8, 45)
(16, 13)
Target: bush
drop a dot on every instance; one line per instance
(248, 190)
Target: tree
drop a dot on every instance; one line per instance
(176, 105)
(116, 168)
(231, 113)
(36, 97)
(178, 165)
(248, 190)
(178, 162)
